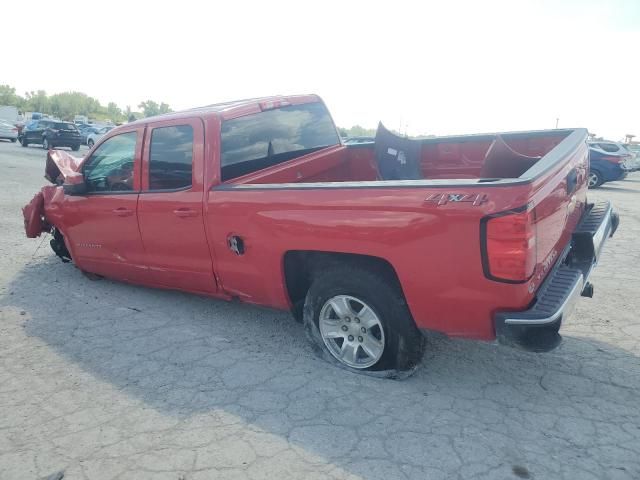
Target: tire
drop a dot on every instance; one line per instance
(595, 179)
(75, 148)
(90, 143)
(45, 143)
(13, 140)
(24, 142)
(385, 341)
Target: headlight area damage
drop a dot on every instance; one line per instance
(40, 213)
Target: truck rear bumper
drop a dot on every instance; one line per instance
(537, 329)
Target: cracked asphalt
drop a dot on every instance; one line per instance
(104, 380)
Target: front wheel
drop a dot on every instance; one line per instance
(24, 142)
(357, 317)
(595, 179)
(45, 143)
(90, 143)
(75, 148)
(13, 140)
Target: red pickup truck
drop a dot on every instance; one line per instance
(478, 236)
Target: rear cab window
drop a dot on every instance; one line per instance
(260, 140)
(171, 158)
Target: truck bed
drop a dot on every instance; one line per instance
(444, 158)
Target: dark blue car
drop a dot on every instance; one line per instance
(605, 166)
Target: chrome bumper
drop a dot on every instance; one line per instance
(537, 328)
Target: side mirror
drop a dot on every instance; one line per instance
(76, 185)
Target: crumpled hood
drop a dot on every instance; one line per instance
(62, 167)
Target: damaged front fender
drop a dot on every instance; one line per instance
(39, 214)
(33, 213)
(60, 168)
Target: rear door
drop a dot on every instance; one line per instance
(170, 207)
(102, 225)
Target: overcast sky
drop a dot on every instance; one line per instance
(441, 67)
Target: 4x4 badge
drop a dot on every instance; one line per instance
(443, 198)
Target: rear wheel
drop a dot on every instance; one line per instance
(75, 148)
(24, 142)
(595, 179)
(13, 140)
(45, 143)
(90, 143)
(358, 318)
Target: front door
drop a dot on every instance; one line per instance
(102, 225)
(170, 207)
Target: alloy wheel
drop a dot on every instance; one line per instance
(351, 331)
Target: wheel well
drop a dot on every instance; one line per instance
(300, 267)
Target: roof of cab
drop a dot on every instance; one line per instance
(232, 109)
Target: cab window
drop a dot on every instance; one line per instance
(264, 139)
(110, 167)
(171, 157)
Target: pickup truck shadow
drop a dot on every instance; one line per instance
(469, 405)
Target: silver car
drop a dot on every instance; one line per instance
(96, 134)
(8, 131)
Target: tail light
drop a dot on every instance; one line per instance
(509, 242)
(613, 159)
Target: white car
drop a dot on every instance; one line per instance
(93, 137)
(632, 163)
(8, 131)
(635, 149)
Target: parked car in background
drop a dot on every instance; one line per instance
(618, 149)
(606, 166)
(85, 129)
(95, 134)
(51, 134)
(8, 131)
(33, 132)
(634, 149)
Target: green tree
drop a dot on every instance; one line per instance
(68, 104)
(357, 131)
(114, 112)
(151, 108)
(9, 97)
(37, 102)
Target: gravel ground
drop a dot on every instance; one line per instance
(105, 380)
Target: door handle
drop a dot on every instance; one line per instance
(185, 212)
(122, 212)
